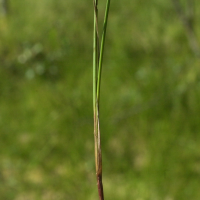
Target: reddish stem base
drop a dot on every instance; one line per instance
(100, 187)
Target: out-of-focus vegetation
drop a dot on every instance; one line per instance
(150, 102)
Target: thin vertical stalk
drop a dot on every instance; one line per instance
(102, 48)
(97, 68)
(95, 53)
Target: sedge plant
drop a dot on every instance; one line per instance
(98, 50)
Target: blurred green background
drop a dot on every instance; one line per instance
(150, 102)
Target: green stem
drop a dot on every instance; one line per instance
(97, 67)
(95, 56)
(102, 49)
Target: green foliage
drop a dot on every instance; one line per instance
(149, 103)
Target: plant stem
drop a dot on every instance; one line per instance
(97, 68)
(102, 48)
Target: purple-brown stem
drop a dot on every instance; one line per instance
(100, 187)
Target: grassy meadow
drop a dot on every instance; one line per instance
(150, 102)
